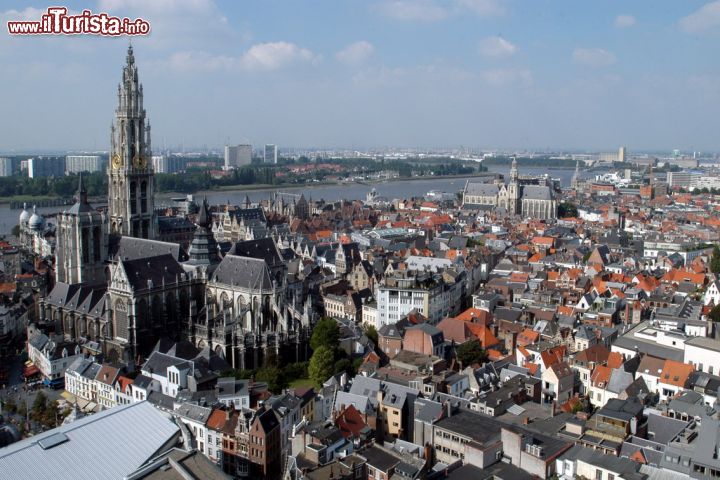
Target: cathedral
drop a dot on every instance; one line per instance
(119, 290)
(530, 198)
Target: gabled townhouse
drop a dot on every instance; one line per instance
(80, 379)
(650, 370)
(265, 443)
(52, 357)
(142, 386)
(425, 339)
(174, 374)
(558, 382)
(105, 381)
(123, 390)
(585, 361)
(673, 378)
(287, 410)
(195, 417)
(230, 391)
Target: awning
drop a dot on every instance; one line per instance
(31, 371)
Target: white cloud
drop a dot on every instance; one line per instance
(260, 57)
(271, 56)
(496, 47)
(593, 57)
(706, 18)
(434, 10)
(505, 77)
(355, 53)
(624, 21)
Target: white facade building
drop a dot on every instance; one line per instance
(52, 358)
(237, 155)
(270, 153)
(84, 163)
(6, 169)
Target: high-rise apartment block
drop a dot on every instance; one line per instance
(237, 155)
(84, 163)
(270, 153)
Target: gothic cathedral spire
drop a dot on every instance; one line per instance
(131, 186)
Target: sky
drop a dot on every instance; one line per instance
(489, 74)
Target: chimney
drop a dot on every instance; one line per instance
(553, 408)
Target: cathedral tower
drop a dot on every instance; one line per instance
(81, 242)
(131, 205)
(576, 176)
(513, 189)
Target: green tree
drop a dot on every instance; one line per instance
(39, 405)
(22, 410)
(274, 377)
(10, 405)
(470, 352)
(567, 209)
(715, 313)
(50, 415)
(372, 333)
(715, 260)
(322, 364)
(343, 365)
(325, 333)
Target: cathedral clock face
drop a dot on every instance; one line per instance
(140, 162)
(116, 161)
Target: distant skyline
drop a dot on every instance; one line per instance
(369, 73)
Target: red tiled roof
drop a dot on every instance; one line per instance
(350, 422)
(675, 373)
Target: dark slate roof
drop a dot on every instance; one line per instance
(263, 249)
(131, 248)
(245, 272)
(482, 189)
(169, 224)
(478, 427)
(158, 363)
(159, 269)
(268, 420)
(537, 192)
(255, 213)
(379, 458)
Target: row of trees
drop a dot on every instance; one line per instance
(43, 410)
(95, 183)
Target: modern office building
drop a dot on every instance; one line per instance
(46, 167)
(84, 163)
(237, 155)
(682, 179)
(270, 153)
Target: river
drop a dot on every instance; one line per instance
(390, 189)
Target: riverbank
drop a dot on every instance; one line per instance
(310, 185)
